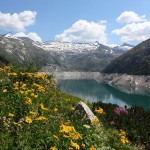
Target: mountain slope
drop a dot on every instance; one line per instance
(22, 51)
(136, 61)
(67, 56)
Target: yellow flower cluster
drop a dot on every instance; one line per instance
(53, 148)
(70, 132)
(4, 91)
(28, 120)
(92, 148)
(42, 107)
(32, 113)
(15, 85)
(11, 115)
(1, 69)
(75, 145)
(28, 101)
(7, 67)
(40, 88)
(41, 118)
(55, 109)
(100, 111)
(95, 121)
(12, 74)
(40, 75)
(123, 138)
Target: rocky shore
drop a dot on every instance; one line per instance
(112, 79)
(126, 83)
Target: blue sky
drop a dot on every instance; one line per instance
(106, 21)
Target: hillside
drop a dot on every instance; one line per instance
(136, 61)
(36, 115)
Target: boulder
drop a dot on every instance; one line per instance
(83, 113)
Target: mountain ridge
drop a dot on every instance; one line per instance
(68, 56)
(136, 61)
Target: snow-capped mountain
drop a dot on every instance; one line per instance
(68, 56)
(67, 47)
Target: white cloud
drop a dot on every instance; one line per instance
(113, 45)
(17, 21)
(84, 31)
(31, 35)
(130, 17)
(134, 32)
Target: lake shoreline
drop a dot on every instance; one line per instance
(115, 79)
(133, 82)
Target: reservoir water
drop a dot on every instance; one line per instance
(94, 91)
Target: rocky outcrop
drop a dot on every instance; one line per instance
(76, 75)
(126, 80)
(83, 113)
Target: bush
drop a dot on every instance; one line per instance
(135, 121)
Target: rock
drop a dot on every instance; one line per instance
(83, 113)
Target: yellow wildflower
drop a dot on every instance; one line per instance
(32, 112)
(40, 75)
(70, 132)
(127, 140)
(35, 96)
(56, 137)
(83, 145)
(41, 89)
(95, 121)
(123, 141)
(16, 84)
(75, 145)
(47, 80)
(23, 86)
(122, 133)
(41, 118)
(122, 137)
(55, 109)
(72, 108)
(16, 88)
(32, 94)
(1, 69)
(99, 111)
(36, 85)
(21, 92)
(5, 90)
(15, 123)
(53, 148)
(75, 136)
(11, 115)
(42, 107)
(29, 74)
(12, 74)
(28, 120)
(22, 73)
(28, 101)
(7, 67)
(92, 148)
(66, 129)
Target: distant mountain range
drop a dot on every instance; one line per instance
(56, 55)
(135, 61)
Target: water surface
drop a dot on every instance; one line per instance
(93, 91)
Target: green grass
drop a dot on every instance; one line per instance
(35, 115)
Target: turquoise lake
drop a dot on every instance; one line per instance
(94, 91)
